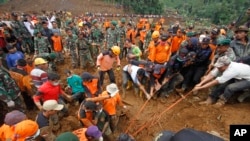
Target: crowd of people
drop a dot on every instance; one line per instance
(160, 61)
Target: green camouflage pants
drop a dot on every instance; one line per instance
(85, 57)
(74, 58)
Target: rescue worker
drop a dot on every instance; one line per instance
(91, 85)
(105, 62)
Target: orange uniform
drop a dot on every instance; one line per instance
(92, 86)
(176, 42)
(6, 132)
(142, 35)
(161, 52)
(57, 43)
(110, 104)
(130, 34)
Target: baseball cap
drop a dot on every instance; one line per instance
(94, 132)
(26, 129)
(112, 89)
(52, 105)
(222, 61)
(205, 40)
(39, 61)
(67, 136)
(14, 117)
(164, 136)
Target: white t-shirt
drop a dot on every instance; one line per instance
(234, 70)
(133, 72)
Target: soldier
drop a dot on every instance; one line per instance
(71, 47)
(9, 91)
(122, 34)
(42, 45)
(96, 38)
(112, 36)
(73, 28)
(22, 34)
(148, 36)
(83, 48)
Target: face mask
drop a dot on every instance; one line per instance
(55, 83)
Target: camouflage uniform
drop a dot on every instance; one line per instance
(42, 45)
(9, 90)
(84, 52)
(21, 32)
(96, 38)
(122, 35)
(147, 39)
(112, 37)
(71, 46)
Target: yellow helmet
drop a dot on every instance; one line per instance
(116, 50)
(155, 34)
(39, 61)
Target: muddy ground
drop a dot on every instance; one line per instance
(186, 113)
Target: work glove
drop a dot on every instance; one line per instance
(118, 68)
(11, 104)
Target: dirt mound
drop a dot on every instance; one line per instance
(76, 6)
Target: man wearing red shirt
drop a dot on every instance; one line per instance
(51, 90)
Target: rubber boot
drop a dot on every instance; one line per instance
(129, 85)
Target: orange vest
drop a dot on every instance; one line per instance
(57, 43)
(151, 51)
(110, 104)
(30, 68)
(130, 34)
(176, 42)
(92, 86)
(143, 35)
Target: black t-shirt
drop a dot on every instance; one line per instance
(41, 120)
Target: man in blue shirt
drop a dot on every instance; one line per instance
(13, 56)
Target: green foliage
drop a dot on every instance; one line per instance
(143, 6)
(218, 11)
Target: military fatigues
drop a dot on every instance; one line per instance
(147, 39)
(20, 31)
(42, 45)
(96, 38)
(122, 35)
(9, 90)
(84, 52)
(71, 46)
(112, 38)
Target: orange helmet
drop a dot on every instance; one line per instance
(116, 50)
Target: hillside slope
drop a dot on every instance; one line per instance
(76, 6)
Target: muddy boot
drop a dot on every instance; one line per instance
(129, 85)
(209, 101)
